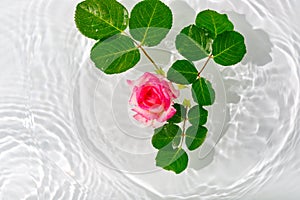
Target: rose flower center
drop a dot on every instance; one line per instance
(149, 96)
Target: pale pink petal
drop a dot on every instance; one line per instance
(172, 91)
(130, 83)
(152, 97)
(146, 77)
(175, 93)
(143, 120)
(166, 99)
(157, 109)
(133, 100)
(156, 124)
(167, 114)
(146, 114)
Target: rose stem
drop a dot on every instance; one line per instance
(145, 52)
(183, 127)
(148, 56)
(209, 57)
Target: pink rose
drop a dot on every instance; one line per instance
(152, 97)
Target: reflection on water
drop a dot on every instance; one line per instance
(258, 42)
(48, 88)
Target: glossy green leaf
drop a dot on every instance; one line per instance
(150, 22)
(228, 48)
(195, 136)
(172, 159)
(165, 134)
(177, 139)
(197, 115)
(193, 43)
(180, 114)
(100, 19)
(214, 22)
(115, 55)
(203, 92)
(182, 72)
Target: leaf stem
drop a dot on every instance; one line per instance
(158, 69)
(206, 62)
(183, 127)
(148, 56)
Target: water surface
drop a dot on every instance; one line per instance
(65, 129)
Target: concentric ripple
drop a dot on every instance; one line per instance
(66, 130)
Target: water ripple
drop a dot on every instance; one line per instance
(48, 88)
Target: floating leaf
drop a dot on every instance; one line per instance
(228, 48)
(214, 22)
(165, 134)
(176, 141)
(115, 55)
(101, 19)
(172, 159)
(197, 115)
(179, 115)
(193, 43)
(203, 92)
(195, 136)
(150, 22)
(182, 72)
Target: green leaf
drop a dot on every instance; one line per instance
(172, 159)
(165, 134)
(197, 115)
(214, 22)
(180, 114)
(203, 92)
(228, 48)
(182, 72)
(195, 136)
(177, 139)
(150, 22)
(193, 43)
(115, 55)
(101, 19)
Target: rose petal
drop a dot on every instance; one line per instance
(146, 77)
(130, 83)
(156, 124)
(148, 97)
(156, 109)
(166, 99)
(167, 114)
(152, 96)
(171, 90)
(141, 119)
(133, 100)
(175, 93)
(146, 114)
